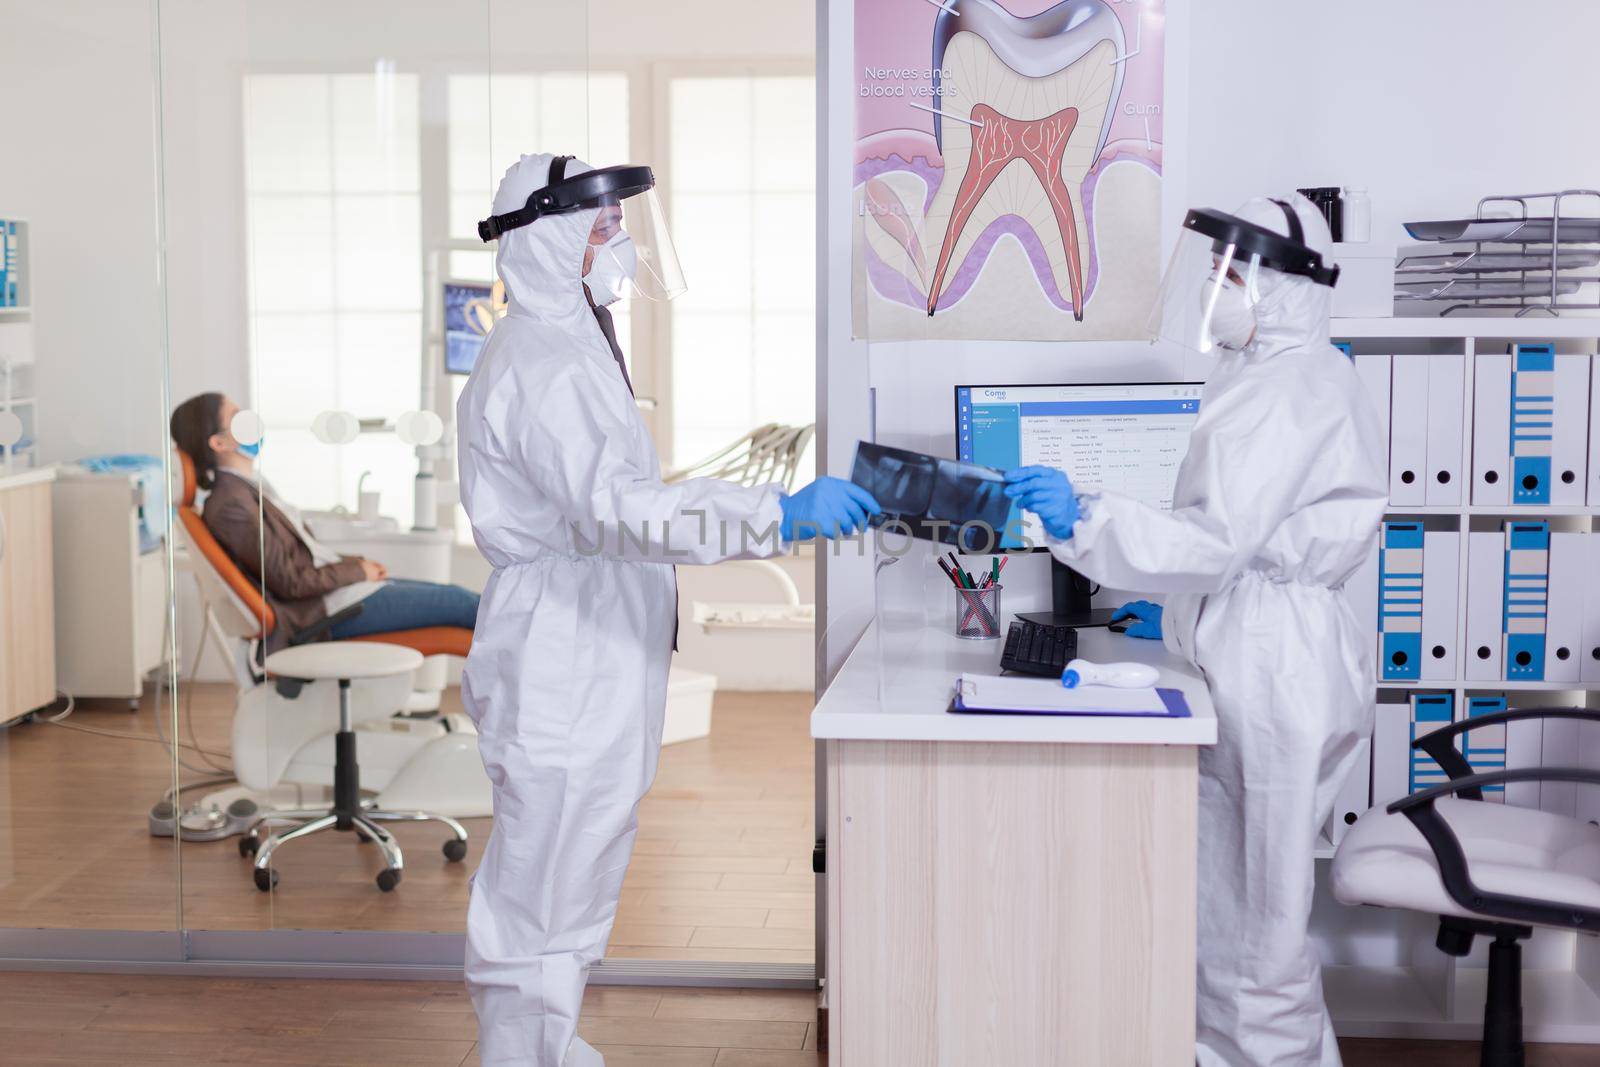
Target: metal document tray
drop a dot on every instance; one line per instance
(1480, 289)
(1506, 231)
(1493, 262)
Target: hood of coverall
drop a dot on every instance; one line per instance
(1293, 311)
(541, 263)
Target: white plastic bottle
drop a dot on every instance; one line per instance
(1357, 215)
(1081, 672)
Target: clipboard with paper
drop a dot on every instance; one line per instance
(982, 694)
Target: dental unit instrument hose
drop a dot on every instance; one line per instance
(1081, 672)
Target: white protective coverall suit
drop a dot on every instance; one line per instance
(1276, 504)
(567, 678)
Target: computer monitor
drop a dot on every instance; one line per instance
(1126, 437)
(469, 312)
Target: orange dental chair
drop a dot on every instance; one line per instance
(419, 769)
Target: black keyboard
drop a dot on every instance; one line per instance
(1037, 648)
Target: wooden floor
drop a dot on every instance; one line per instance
(722, 867)
(59, 1019)
(136, 1021)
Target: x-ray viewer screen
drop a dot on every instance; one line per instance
(1127, 438)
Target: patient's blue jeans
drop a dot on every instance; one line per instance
(403, 604)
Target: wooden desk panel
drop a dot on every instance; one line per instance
(1020, 904)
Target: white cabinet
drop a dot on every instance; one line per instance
(110, 599)
(27, 626)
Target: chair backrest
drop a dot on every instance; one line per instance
(232, 597)
(766, 455)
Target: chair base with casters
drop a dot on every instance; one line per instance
(281, 743)
(1487, 870)
(344, 662)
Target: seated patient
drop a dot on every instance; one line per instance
(305, 580)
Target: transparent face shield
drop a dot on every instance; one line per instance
(1212, 287)
(1207, 295)
(633, 254)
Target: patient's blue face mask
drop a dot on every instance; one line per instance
(253, 449)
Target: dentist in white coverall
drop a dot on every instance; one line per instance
(567, 678)
(1276, 504)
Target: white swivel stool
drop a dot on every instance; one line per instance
(344, 662)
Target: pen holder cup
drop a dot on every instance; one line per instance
(977, 613)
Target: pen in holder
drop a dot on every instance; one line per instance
(977, 612)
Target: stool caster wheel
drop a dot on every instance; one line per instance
(248, 844)
(455, 851)
(266, 880)
(388, 879)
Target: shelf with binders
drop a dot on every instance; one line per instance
(1432, 379)
(1512, 606)
(16, 290)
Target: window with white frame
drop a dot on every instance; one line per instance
(563, 113)
(333, 222)
(495, 119)
(743, 210)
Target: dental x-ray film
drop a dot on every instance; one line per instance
(943, 500)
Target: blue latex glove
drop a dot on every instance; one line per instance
(828, 507)
(1046, 492)
(1146, 617)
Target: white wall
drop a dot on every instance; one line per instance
(1430, 104)
(77, 160)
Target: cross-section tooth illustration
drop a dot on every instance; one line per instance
(1022, 119)
(1008, 162)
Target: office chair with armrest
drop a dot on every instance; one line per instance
(1484, 869)
(282, 727)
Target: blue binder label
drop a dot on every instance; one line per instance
(1533, 372)
(1400, 600)
(1429, 711)
(6, 258)
(1485, 749)
(1527, 596)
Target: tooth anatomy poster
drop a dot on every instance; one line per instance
(1007, 168)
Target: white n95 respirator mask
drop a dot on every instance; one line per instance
(1233, 320)
(612, 269)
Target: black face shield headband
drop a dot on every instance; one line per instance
(596, 188)
(1289, 255)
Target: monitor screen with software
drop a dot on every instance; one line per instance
(469, 312)
(1127, 437)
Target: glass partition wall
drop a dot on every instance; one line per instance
(253, 429)
(369, 138)
(89, 745)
